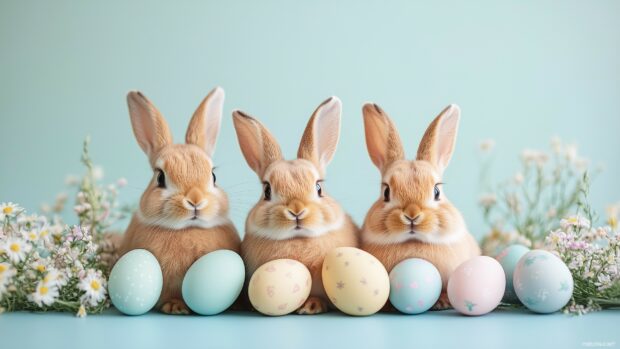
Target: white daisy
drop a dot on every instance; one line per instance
(44, 294)
(39, 265)
(574, 221)
(44, 233)
(6, 273)
(54, 277)
(9, 209)
(15, 249)
(94, 287)
(31, 235)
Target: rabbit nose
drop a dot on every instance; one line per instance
(191, 205)
(194, 200)
(413, 220)
(296, 215)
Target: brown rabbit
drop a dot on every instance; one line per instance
(412, 217)
(295, 218)
(183, 214)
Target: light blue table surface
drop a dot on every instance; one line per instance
(500, 329)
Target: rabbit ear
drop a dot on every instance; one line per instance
(205, 124)
(148, 124)
(258, 146)
(438, 142)
(320, 139)
(382, 139)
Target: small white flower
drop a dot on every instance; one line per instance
(45, 208)
(81, 311)
(79, 209)
(72, 180)
(581, 164)
(604, 281)
(45, 294)
(487, 145)
(93, 286)
(9, 209)
(518, 178)
(571, 152)
(97, 172)
(529, 157)
(121, 182)
(556, 145)
(15, 249)
(487, 200)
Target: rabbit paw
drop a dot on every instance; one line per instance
(443, 303)
(175, 307)
(313, 305)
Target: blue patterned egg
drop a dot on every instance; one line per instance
(542, 282)
(415, 285)
(213, 282)
(135, 282)
(509, 258)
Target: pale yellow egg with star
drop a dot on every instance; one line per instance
(355, 281)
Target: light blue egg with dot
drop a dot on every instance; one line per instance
(415, 286)
(213, 283)
(543, 282)
(509, 258)
(135, 282)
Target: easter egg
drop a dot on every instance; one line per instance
(355, 281)
(476, 286)
(509, 258)
(542, 282)
(213, 282)
(415, 286)
(279, 287)
(135, 282)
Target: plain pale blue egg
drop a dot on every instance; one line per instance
(509, 258)
(543, 282)
(415, 286)
(213, 282)
(135, 282)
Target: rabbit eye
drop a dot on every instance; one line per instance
(437, 192)
(214, 177)
(267, 192)
(161, 179)
(386, 193)
(319, 190)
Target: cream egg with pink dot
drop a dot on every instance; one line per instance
(279, 287)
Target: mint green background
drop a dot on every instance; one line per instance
(521, 71)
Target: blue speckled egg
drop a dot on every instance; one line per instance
(509, 258)
(542, 282)
(135, 282)
(213, 282)
(415, 286)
